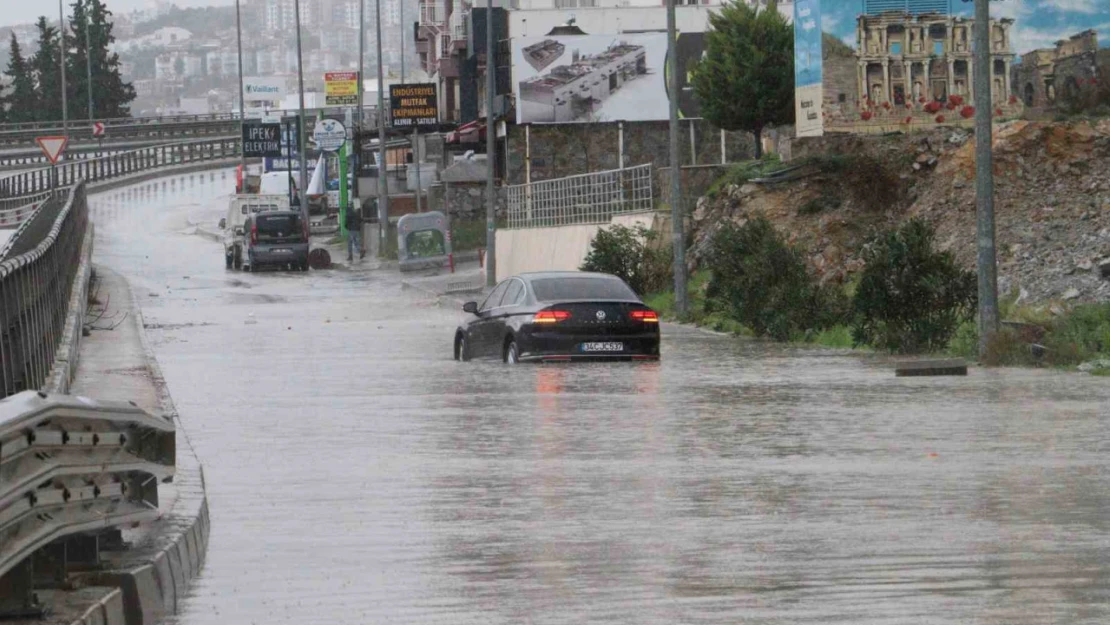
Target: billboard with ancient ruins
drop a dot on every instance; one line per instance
(591, 78)
(903, 64)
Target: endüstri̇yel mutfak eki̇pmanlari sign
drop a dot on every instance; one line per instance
(413, 105)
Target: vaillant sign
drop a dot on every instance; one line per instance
(263, 88)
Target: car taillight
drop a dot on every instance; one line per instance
(254, 233)
(644, 316)
(551, 316)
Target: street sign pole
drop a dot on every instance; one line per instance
(88, 60)
(242, 97)
(677, 216)
(984, 181)
(416, 161)
(343, 208)
(383, 168)
(300, 119)
(62, 66)
(491, 153)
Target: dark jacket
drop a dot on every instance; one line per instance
(354, 219)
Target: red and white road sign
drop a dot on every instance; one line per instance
(98, 129)
(52, 147)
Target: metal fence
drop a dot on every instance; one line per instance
(72, 470)
(36, 276)
(584, 199)
(120, 164)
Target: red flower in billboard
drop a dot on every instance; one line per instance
(998, 112)
(951, 106)
(886, 105)
(866, 115)
(967, 112)
(907, 120)
(921, 100)
(1013, 99)
(909, 107)
(956, 100)
(932, 107)
(940, 119)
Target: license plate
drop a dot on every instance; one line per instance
(603, 347)
(283, 251)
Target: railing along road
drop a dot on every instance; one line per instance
(583, 199)
(37, 269)
(71, 471)
(119, 164)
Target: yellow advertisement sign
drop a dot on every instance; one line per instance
(340, 88)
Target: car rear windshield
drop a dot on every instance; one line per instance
(284, 225)
(557, 289)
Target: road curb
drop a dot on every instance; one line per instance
(154, 577)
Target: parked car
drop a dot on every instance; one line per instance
(275, 238)
(559, 316)
(239, 208)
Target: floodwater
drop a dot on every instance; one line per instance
(356, 474)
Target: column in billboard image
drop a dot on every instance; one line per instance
(807, 68)
(902, 64)
(589, 78)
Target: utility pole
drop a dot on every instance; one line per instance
(677, 214)
(62, 65)
(383, 168)
(361, 111)
(242, 98)
(88, 60)
(401, 4)
(300, 122)
(984, 180)
(491, 153)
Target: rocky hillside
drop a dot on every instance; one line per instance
(1052, 202)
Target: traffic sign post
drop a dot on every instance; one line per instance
(98, 129)
(52, 147)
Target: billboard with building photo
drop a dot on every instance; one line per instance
(589, 78)
(904, 64)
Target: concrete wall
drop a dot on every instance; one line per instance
(552, 249)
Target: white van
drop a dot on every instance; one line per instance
(239, 208)
(276, 183)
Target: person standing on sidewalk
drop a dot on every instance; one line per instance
(354, 234)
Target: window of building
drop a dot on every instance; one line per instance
(842, 98)
(896, 47)
(938, 48)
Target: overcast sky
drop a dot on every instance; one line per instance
(22, 12)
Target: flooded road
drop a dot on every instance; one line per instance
(356, 474)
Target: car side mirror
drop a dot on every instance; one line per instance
(223, 223)
(471, 307)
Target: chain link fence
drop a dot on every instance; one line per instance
(584, 199)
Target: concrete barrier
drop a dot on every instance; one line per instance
(562, 248)
(66, 356)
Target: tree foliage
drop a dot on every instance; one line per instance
(631, 255)
(111, 95)
(911, 298)
(760, 281)
(746, 80)
(21, 97)
(47, 73)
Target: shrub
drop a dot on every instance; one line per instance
(1082, 334)
(911, 298)
(629, 254)
(820, 204)
(741, 173)
(761, 282)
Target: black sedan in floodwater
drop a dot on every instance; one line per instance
(559, 316)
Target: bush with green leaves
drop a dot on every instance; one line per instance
(631, 254)
(760, 281)
(911, 298)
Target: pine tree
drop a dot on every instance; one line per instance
(111, 95)
(48, 80)
(746, 80)
(77, 83)
(21, 100)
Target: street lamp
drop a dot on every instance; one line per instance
(62, 65)
(242, 98)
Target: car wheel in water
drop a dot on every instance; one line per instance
(238, 262)
(512, 356)
(229, 260)
(462, 350)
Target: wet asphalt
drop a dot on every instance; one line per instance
(356, 474)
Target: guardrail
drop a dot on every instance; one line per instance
(71, 471)
(117, 165)
(16, 210)
(37, 270)
(175, 126)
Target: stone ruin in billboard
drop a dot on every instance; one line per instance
(901, 70)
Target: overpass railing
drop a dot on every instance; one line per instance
(37, 268)
(16, 210)
(72, 470)
(117, 165)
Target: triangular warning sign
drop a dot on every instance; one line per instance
(52, 147)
